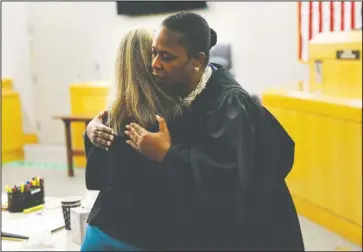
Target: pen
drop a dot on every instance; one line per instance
(13, 236)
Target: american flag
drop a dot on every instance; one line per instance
(322, 16)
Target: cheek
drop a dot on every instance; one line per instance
(177, 73)
(172, 73)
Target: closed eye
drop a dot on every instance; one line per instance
(165, 56)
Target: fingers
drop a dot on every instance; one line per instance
(133, 134)
(104, 133)
(134, 131)
(103, 142)
(132, 137)
(99, 117)
(105, 113)
(102, 136)
(131, 144)
(130, 132)
(102, 114)
(162, 124)
(138, 128)
(103, 128)
(101, 146)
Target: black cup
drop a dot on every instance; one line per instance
(67, 204)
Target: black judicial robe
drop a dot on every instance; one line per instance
(221, 185)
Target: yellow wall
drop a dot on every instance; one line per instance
(11, 127)
(86, 100)
(326, 180)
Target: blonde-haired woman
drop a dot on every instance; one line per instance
(135, 98)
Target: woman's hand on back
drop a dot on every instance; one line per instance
(99, 134)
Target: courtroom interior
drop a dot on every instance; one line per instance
(300, 60)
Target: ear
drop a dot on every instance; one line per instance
(199, 60)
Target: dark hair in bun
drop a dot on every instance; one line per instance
(213, 38)
(197, 35)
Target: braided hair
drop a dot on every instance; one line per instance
(196, 37)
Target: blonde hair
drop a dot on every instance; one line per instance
(136, 97)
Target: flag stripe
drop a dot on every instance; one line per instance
(331, 15)
(310, 19)
(352, 17)
(300, 37)
(342, 5)
(320, 16)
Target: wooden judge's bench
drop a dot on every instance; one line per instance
(325, 121)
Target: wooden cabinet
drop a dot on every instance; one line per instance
(326, 180)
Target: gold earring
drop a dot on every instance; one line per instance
(196, 69)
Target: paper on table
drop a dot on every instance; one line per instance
(30, 224)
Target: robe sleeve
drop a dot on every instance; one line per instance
(211, 169)
(242, 158)
(287, 146)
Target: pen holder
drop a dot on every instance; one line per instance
(16, 202)
(32, 196)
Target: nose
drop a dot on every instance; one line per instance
(156, 64)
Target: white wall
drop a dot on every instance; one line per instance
(16, 57)
(79, 40)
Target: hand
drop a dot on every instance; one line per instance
(99, 134)
(152, 145)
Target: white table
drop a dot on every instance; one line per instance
(60, 240)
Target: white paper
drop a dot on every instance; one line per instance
(29, 224)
